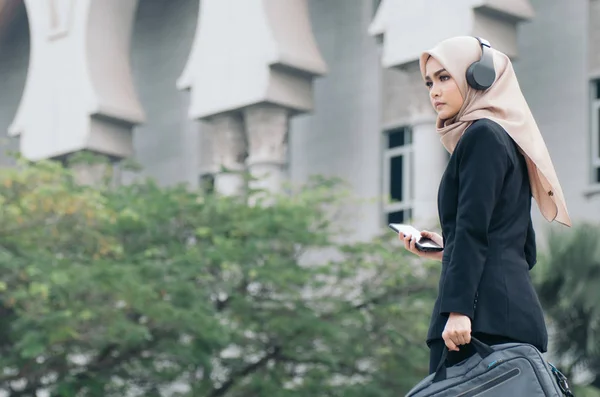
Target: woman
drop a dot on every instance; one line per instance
(498, 161)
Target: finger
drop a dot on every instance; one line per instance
(459, 342)
(457, 336)
(451, 345)
(413, 241)
(454, 335)
(460, 339)
(467, 336)
(407, 242)
(447, 337)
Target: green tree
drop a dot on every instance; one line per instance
(568, 284)
(154, 290)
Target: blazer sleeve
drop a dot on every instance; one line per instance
(482, 165)
(530, 247)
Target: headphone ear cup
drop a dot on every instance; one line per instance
(479, 76)
(470, 76)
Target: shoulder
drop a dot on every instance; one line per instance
(484, 134)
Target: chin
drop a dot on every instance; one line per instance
(445, 115)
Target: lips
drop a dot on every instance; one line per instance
(438, 104)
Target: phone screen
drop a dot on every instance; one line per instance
(405, 229)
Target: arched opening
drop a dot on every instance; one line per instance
(14, 64)
(166, 145)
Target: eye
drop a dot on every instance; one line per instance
(428, 84)
(444, 78)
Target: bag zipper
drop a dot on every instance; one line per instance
(498, 380)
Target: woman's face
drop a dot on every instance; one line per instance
(444, 94)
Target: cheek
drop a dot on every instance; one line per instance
(456, 98)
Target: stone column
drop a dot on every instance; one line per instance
(267, 130)
(271, 58)
(79, 94)
(93, 174)
(229, 153)
(429, 162)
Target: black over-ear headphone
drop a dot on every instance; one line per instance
(481, 74)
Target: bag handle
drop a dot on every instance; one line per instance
(481, 348)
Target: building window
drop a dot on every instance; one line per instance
(397, 175)
(595, 130)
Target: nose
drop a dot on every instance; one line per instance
(434, 91)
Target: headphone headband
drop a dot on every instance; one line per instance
(483, 42)
(481, 74)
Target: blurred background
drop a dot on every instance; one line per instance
(140, 135)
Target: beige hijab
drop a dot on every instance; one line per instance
(503, 103)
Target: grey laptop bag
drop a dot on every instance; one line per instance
(511, 369)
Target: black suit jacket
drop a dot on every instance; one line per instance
(484, 204)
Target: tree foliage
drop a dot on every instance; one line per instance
(163, 291)
(568, 284)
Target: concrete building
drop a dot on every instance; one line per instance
(289, 88)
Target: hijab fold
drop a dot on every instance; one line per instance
(504, 104)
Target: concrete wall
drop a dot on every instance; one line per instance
(343, 135)
(553, 74)
(396, 102)
(594, 37)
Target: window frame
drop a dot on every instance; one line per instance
(407, 153)
(595, 131)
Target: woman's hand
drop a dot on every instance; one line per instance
(409, 244)
(457, 331)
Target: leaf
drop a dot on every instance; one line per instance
(33, 350)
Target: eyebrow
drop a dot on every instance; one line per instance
(435, 74)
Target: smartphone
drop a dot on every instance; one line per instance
(423, 244)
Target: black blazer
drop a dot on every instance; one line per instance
(484, 204)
